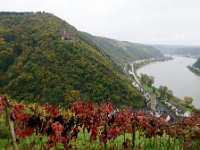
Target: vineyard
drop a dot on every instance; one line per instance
(89, 126)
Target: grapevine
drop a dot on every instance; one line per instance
(103, 123)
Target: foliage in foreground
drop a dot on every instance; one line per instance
(98, 127)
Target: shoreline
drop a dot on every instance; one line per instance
(141, 63)
(175, 98)
(194, 70)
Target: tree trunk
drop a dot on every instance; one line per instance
(11, 127)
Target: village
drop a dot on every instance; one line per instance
(156, 106)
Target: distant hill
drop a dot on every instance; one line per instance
(42, 59)
(122, 51)
(166, 49)
(197, 64)
(179, 49)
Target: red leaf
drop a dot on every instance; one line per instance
(29, 131)
(102, 138)
(12, 116)
(93, 135)
(103, 106)
(2, 98)
(109, 107)
(74, 138)
(57, 127)
(2, 103)
(91, 119)
(53, 110)
(19, 108)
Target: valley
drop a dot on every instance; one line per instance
(44, 60)
(176, 76)
(61, 88)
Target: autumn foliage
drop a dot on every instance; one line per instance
(104, 124)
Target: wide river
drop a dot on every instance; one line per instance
(176, 76)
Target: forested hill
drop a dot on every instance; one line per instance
(42, 59)
(122, 51)
(197, 64)
(179, 49)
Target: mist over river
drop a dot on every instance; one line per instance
(176, 76)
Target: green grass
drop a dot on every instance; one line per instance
(161, 143)
(151, 89)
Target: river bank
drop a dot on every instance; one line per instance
(194, 70)
(158, 105)
(141, 63)
(176, 76)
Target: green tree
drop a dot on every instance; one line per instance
(149, 80)
(165, 92)
(188, 100)
(169, 94)
(36, 64)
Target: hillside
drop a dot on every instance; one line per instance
(122, 51)
(193, 50)
(197, 64)
(179, 49)
(42, 59)
(166, 49)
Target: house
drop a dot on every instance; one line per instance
(183, 113)
(68, 35)
(152, 102)
(166, 117)
(130, 72)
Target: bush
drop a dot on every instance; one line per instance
(3, 129)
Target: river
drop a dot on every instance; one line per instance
(176, 76)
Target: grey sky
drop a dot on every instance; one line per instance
(141, 21)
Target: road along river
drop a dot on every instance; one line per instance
(176, 76)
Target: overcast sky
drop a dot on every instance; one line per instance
(141, 21)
